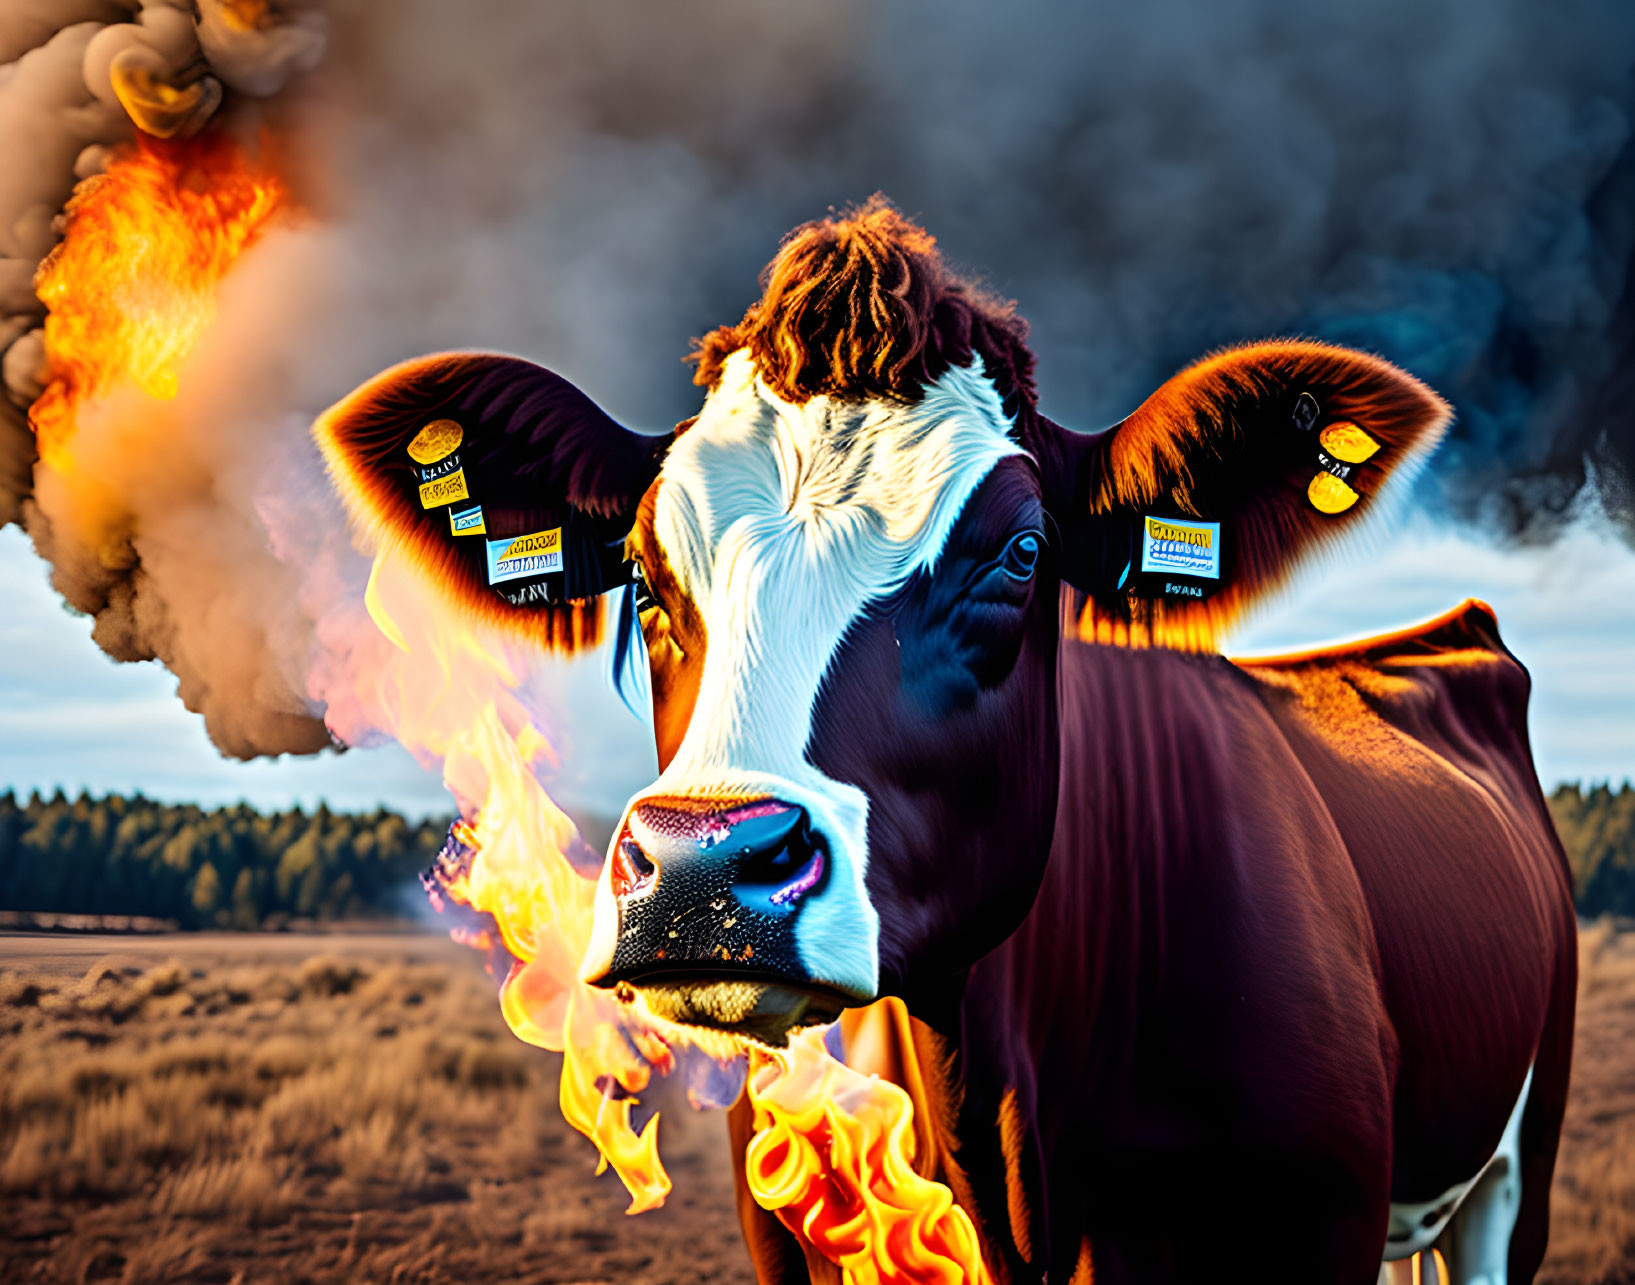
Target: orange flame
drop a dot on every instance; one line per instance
(447, 690)
(133, 285)
(834, 1149)
(833, 1157)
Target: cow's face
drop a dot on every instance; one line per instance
(851, 619)
(852, 581)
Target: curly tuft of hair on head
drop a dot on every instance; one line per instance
(861, 305)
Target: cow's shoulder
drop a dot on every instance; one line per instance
(1464, 637)
(1447, 687)
(1417, 743)
(1201, 889)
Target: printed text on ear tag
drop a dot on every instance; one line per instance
(535, 554)
(444, 490)
(1181, 547)
(467, 520)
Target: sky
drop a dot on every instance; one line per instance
(1448, 185)
(71, 717)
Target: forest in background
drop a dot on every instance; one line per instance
(1597, 828)
(234, 867)
(241, 868)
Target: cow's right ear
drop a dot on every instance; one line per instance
(510, 489)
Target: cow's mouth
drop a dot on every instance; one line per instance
(764, 1009)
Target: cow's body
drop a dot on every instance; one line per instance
(1215, 970)
(1304, 932)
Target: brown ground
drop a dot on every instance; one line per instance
(1592, 1213)
(352, 1108)
(280, 1108)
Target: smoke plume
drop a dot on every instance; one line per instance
(1449, 184)
(151, 526)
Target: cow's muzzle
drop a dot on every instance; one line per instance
(709, 893)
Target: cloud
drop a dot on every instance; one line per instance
(71, 717)
(1566, 610)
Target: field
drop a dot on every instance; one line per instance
(1592, 1214)
(352, 1108)
(283, 1108)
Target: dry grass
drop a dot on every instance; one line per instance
(363, 1119)
(1592, 1216)
(330, 1120)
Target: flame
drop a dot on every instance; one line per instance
(245, 15)
(447, 690)
(833, 1157)
(131, 290)
(833, 1153)
(132, 287)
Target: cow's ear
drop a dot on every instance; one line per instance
(1224, 480)
(504, 484)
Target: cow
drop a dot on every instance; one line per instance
(1195, 969)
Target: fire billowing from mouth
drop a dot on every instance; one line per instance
(833, 1150)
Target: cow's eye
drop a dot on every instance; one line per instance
(653, 617)
(1021, 556)
(645, 601)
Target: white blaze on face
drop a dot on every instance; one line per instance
(782, 523)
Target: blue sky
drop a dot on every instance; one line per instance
(69, 716)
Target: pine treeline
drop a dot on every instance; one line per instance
(1597, 828)
(218, 868)
(240, 868)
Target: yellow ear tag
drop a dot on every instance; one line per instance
(438, 440)
(444, 490)
(1330, 495)
(1347, 443)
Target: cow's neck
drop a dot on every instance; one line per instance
(1042, 1036)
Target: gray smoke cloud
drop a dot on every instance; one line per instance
(153, 530)
(1449, 184)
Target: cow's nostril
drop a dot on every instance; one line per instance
(782, 859)
(632, 870)
(764, 851)
(780, 873)
(636, 857)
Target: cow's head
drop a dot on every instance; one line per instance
(850, 573)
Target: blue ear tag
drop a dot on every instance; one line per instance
(1177, 558)
(628, 659)
(1181, 547)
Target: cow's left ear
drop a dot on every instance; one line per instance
(1234, 471)
(506, 486)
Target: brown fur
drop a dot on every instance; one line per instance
(535, 447)
(1216, 442)
(861, 305)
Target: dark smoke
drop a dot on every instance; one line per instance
(1449, 184)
